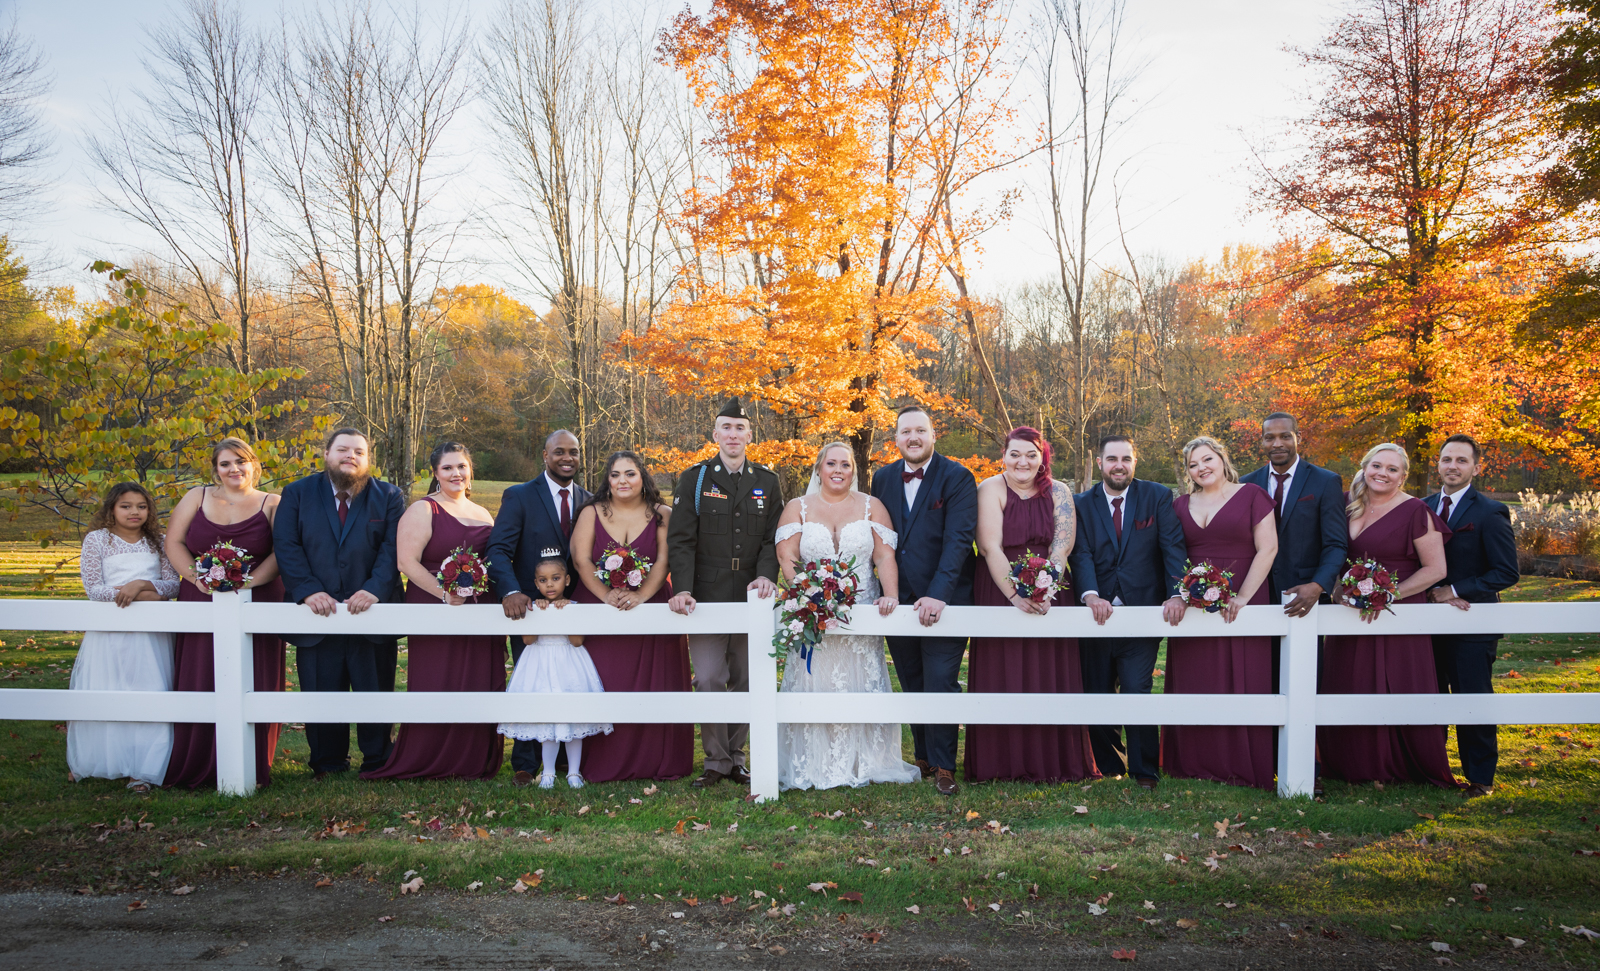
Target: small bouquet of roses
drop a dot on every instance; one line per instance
(1035, 577)
(223, 568)
(463, 573)
(621, 568)
(1368, 586)
(817, 599)
(1206, 587)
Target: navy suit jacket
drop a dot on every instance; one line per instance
(1314, 532)
(1144, 567)
(1481, 553)
(318, 555)
(934, 553)
(528, 524)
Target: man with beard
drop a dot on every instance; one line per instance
(933, 504)
(335, 542)
(1129, 551)
(534, 516)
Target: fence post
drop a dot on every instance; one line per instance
(763, 700)
(1297, 681)
(233, 657)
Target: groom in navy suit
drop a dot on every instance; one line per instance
(534, 516)
(334, 537)
(1481, 560)
(1129, 551)
(933, 504)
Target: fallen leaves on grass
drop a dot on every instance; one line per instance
(652, 790)
(971, 815)
(1440, 946)
(726, 900)
(853, 897)
(385, 920)
(1581, 931)
(966, 851)
(678, 829)
(1080, 810)
(1187, 923)
(995, 907)
(635, 802)
(1241, 848)
(134, 905)
(1149, 905)
(324, 882)
(691, 901)
(1106, 867)
(701, 827)
(583, 810)
(1125, 954)
(871, 937)
(822, 888)
(913, 909)
(414, 886)
(1221, 826)
(183, 891)
(618, 900)
(475, 885)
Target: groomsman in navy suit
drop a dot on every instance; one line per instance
(534, 516)
(1481, 559)
(1313, 529)
(933, 504)
(334, 537)
(1129, 551)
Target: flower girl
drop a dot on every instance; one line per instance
(122, 562)
(554, 663)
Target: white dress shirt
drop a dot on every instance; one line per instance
(555, 496)
(1455, 500)
(913, 486)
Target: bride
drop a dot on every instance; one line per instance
(834, 520)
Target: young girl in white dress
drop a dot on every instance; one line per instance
(554, 663)
(122, 561)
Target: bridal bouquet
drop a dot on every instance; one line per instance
(463, 573)
(1368, 586)
(1036, 578)
(621, 568)
(222, 568)
(817, 599)
(1206, 587)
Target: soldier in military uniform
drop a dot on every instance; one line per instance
(725, 512)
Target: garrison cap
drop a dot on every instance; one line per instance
(733, 409)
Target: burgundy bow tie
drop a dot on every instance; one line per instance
(908, 476)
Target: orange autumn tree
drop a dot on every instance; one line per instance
(819, 256)
(1423, 234)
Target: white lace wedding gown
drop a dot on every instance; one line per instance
(818, 756)
(121, 661)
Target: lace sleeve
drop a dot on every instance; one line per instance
(167, 585)
(890, 538)
(784, 532)
(91, 566)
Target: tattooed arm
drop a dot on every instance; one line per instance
(1066, 525)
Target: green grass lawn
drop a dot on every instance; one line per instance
(1397, 863)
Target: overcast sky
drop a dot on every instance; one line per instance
(1218, 80)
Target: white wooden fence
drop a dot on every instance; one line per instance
(235, 707)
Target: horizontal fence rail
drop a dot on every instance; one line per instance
(235, 707)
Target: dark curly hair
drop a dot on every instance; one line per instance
(652, 494)
(106, 516)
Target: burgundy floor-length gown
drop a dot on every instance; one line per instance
(194, 746)
(1400, 664)
(1235, 754)
(1041, 753)
(632, 663)
(454, 662)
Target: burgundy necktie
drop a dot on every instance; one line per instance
(1277, 494)
(1116, 516)
(908, 476)
(344, 506)
(1444, 508)
(566, 514)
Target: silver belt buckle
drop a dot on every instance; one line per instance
(736, 564)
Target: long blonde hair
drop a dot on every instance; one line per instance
(1358, 485)
(1228, 471)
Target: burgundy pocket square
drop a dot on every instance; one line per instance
(1144, 523)
(1464, 528)
(937, 504)
(1306, 499)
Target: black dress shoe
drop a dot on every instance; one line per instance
(739, 775)
(708, 778)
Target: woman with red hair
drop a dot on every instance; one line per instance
(1023, 510)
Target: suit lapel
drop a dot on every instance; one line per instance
(1102, 516)
(358, 511)
(1297, 487)
(331, 505)
(1466, 500)
(895, 499)
(1130, 517)
(541, 486)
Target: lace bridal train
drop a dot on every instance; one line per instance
(821, 756)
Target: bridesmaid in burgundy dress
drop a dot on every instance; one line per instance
(1023, 509)
(1403, 534)
(430, 531)
(234, 511)
(627, 511)
(1231, 526)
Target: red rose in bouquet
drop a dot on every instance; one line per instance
(1206, 587)
(1035, 577)
(621, 568)
(463, 573)
(223, 568)
(1368, 586)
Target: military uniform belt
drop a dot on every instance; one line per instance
(724, 563)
